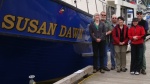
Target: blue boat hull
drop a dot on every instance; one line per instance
(47, 60)
(42, 38)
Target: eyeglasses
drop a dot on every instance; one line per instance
(139, 13)
(114, 18)
(103, 15)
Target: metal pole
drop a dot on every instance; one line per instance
(133, 12)
(87, 2)
(96, 6)
(75, 1)
(103, 6)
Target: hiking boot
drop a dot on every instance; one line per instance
(102, 71)
(124, 69)
(106, 69)
(118, 70)
(112, 68)
(143, 72)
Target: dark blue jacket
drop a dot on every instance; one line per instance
(144, 23)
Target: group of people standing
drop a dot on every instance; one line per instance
(114, 36)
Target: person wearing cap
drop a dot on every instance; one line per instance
(143, 23)
(108, 33)
(120, 36)
(98, 33)
(136, 34)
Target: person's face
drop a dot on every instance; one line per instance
(103, 16)
(135, 23)
(139, 15)
(97, 17)
(114, 19)
(120, 22)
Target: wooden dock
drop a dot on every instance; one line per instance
(112, 77)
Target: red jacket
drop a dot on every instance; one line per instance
(136, 31)
(116, 35)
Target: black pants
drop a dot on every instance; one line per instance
(98, 54)
(136, 57)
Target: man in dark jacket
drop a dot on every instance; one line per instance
(145, 25)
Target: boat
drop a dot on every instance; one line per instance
(48, 38)
(44, 38)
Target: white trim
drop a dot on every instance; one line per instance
(127, 4)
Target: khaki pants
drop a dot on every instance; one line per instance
(120, 56)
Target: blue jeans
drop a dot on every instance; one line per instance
(109, 46)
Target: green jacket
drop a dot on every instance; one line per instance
(108, 27)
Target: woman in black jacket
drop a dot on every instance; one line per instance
(98, 33)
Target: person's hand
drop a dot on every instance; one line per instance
(135, 38)
(98, 40)
(109, 32)
(120, 43)
(123, 43)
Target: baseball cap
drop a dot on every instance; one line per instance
(139, 12)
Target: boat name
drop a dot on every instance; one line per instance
(21, 24)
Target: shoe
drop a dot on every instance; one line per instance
(118, 70)
(124, 70)
(132, 73)
(112, 68)
(106, 69)
(143, 72)
(136, 73)
(102, 71)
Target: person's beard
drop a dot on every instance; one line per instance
(103, 19)
(115, 22)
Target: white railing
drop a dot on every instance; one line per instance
(89, 6)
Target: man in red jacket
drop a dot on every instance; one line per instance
(136, 34)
